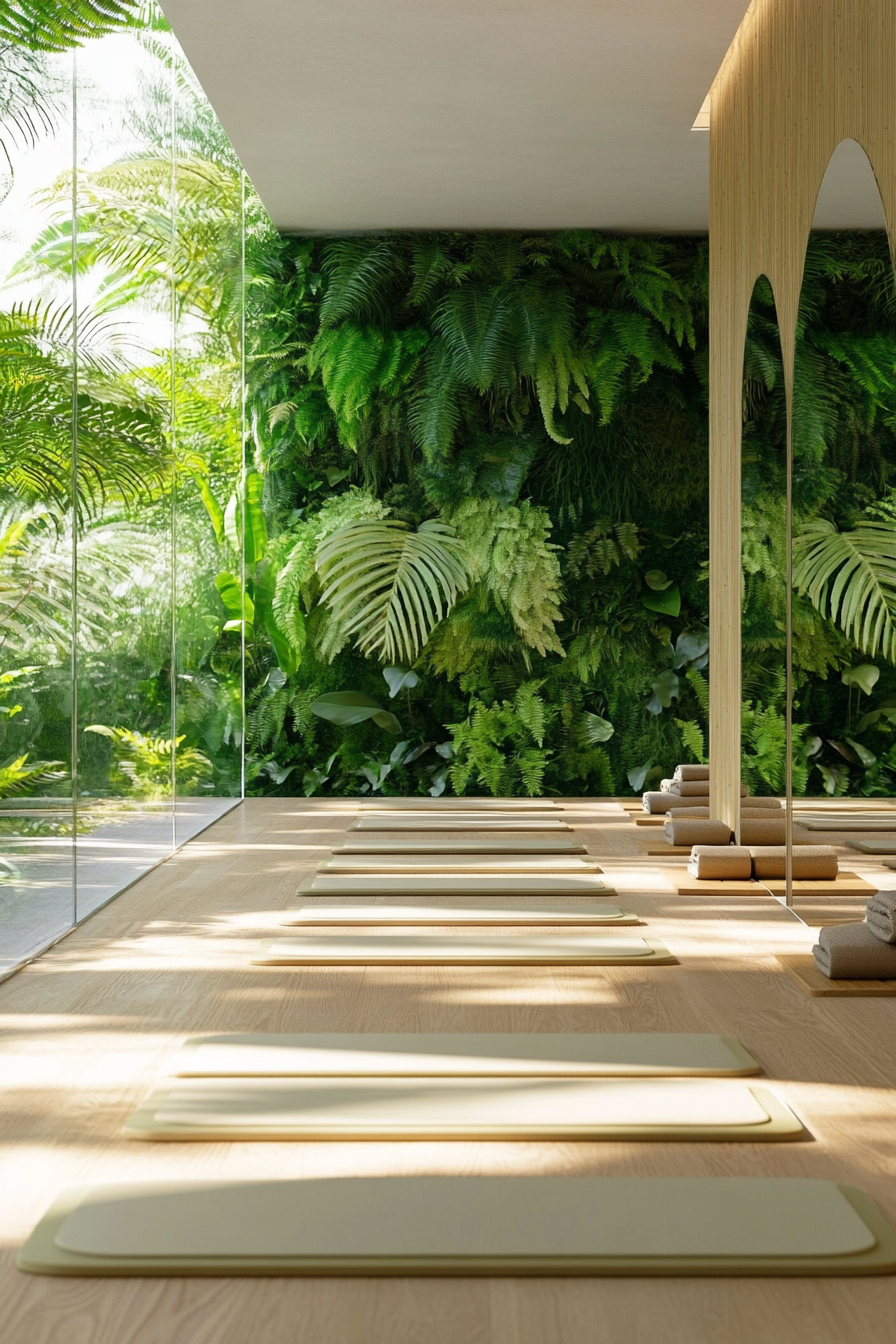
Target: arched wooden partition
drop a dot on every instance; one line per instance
(800, 76)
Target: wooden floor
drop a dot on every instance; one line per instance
(87, 1028)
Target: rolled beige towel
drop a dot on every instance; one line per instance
(752, 813)
(696, 788)
(666, 785)
(719, 862)
(762, 832)
(810, 862)
(691, 772)
(688, 811)
(880, 916)
(659, 802)
(768, 804)
(696, 831)
(853, 952)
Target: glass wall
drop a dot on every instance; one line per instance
(122, 489)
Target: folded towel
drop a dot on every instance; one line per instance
(719, 862)
(696, 831)
(666, 785)
(691, 772)
(764, 832)
(852, 952)
(695, 788)
(818, 862)
(769, 804)
(752, 813)
(880, 915)
(659, 802)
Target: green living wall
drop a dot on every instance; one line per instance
(485, 488)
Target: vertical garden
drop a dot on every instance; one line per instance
(407, 514)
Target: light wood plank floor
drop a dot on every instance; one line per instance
(86, 1029)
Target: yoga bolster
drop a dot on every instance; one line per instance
(770, 832)
(719, 862)
(810, 862)
(766, 804)
(675, 812)
(852, 952)
(659, 802)
(880, 914)
(691, 772)
(696, 831)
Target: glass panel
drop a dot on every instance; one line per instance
(37, 335)
(124, 246)
(210, 499)
(764, 553)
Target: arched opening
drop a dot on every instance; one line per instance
(844, 500)
(763, 553)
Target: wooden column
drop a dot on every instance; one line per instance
(800, 76)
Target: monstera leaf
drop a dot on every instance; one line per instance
(390, 586)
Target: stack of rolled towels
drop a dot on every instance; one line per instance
(688, 787)
(865, 951)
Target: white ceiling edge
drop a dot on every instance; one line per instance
(361, 115)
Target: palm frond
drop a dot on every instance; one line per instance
(57, 25)
(391, 586)
(850, 577)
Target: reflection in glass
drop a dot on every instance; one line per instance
(121, 677)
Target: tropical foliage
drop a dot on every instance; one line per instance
(455, 537)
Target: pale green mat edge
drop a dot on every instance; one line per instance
(782, 1126)
(41, 1255)
(438, 1054)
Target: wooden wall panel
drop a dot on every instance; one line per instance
(800, 77)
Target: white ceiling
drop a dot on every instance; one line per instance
(532, 114)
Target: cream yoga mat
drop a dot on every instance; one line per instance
(874, 846)
(467, 1225)
(458, 844)
(376, 913)
(423, 1109)
(454, 884)
(445, 1054)
(458, 822)
(458, 863)
(463, 949)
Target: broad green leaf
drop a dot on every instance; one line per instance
(233, 597)
(637, 776)
(666, 688)
(866, 757)
(667, 602)
(596, 728)
(345, 708)
(399, 678)
(865, 676)
(657, 580)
